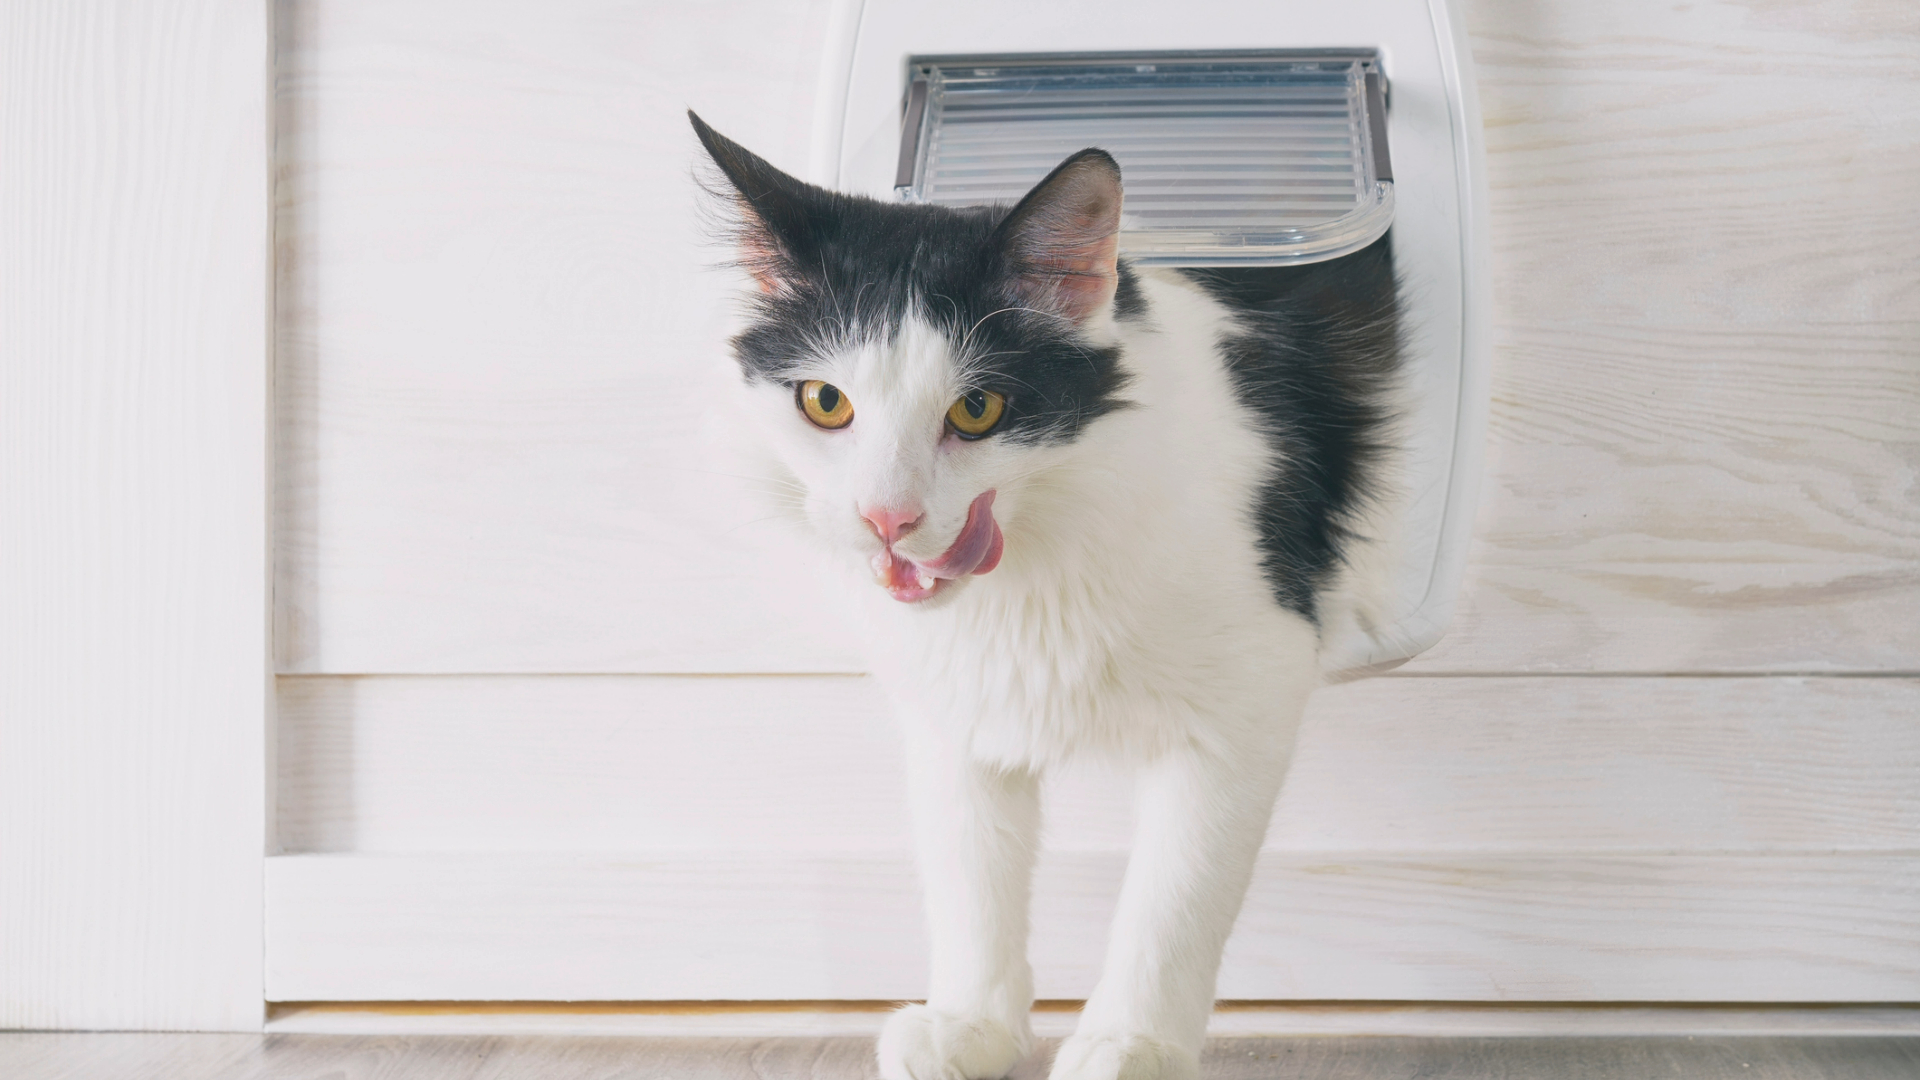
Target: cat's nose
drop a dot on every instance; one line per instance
(890, 523)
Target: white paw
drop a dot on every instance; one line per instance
(1123, 1057)
(919, 1043)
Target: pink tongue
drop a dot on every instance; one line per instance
(976, 550)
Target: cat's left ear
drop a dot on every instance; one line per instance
(778, 215)
(1062, 242)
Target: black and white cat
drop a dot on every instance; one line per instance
(1082, 509)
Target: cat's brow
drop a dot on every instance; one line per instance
(967, 374)
(967, 338)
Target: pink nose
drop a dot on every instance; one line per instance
(890, 524)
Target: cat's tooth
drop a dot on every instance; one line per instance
(926, 580)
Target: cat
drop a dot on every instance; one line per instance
(1080, 509)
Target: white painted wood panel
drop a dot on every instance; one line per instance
(493, 324)
(498, 323)
(781, 765)
(1707, 340)
(134, 662)
(1319, 927)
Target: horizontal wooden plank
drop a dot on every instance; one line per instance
(789, 764)
(1706, 171)
(1761, 518)
(1317, 926)
(494, 338)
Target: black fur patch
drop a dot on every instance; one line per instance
(848, 270)
(1321, 344)
(1128, 301)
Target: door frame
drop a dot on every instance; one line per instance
(136, 683)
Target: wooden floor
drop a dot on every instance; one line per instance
(68, 1056)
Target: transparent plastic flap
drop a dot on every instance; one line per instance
(1229, 159)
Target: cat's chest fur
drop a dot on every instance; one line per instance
(1131, 611)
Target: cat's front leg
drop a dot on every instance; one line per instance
(976, 828)
(1202, 817)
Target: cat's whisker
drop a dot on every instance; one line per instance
(967, 339)
(749, 478)
(755, 521)
(1017, 381)
(952, 304)
(839, 315)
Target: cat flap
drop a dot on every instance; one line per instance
(1258, 158)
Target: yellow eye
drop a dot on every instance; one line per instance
(825, 405)
(976, 412)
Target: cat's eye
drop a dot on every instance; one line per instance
(825, 405)
(976, 413)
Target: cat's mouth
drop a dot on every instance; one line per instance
(975, 551)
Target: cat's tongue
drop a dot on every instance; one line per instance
(975, 551)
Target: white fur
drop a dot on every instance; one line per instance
(1129, 618)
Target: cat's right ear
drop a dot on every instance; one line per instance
(773, 213)
(1062, 241)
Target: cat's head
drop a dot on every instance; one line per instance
(917, 369)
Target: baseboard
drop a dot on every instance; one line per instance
(1052, 1019)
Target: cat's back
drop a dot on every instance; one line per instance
(1315, 353)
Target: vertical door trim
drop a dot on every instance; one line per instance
(135, 429)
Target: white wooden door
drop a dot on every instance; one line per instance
(540, 736)
(1668, 752)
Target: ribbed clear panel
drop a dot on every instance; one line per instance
(1241, 161)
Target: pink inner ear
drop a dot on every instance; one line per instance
(760, 267)
(761, 260)
(760, 256)
(1067, 241)
(1077, 281)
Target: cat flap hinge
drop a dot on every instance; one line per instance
(1253, 158)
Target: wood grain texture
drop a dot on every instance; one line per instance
(1317, 926)
(499, 318)
(103, 1055)
(785, 764)
(373, 1057)
(1707, 332)
(1706, 411)
(134, 663)
(1703, 459)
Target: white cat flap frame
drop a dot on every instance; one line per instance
(1439, 226)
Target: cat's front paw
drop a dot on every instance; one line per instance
(920, 1043)
(1123, 1057)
